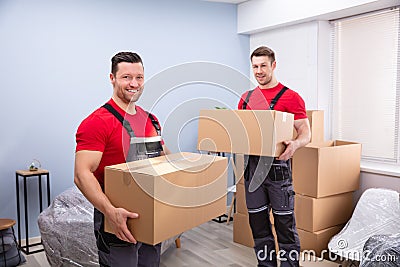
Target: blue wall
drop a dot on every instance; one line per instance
(55, 62)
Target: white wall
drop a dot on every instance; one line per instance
(55, 61)
(260, 15)
(374, 180)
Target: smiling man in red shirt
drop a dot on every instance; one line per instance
(105, 138)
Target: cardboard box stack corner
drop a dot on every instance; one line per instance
(325, 176)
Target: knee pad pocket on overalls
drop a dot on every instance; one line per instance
(260, 224)
(285, 228)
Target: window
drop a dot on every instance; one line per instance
(365, 83)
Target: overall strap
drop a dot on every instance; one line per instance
(244, 106)
(276, 98)
(127, 125)
(155, 123)
(124, 122)
(273, 102)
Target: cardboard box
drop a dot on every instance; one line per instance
(250, 132)
(316, 119)
(316, 242)
(242, 231)
(171, 194)
(330, 168)
(314, 214)
(241, 180)
(241, 199)
(238, 168)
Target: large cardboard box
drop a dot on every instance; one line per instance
(325, 169)
(251, 132)
(314, 214)
(317, 242)
(316, 119)
(171, 194)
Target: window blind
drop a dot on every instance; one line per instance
(365, 83)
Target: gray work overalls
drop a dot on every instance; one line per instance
(112, 251)
(276, 192)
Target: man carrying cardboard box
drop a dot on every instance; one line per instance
(275, 189)
(111, 135)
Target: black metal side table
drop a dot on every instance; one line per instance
(25, 174)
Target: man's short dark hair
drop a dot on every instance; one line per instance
(129, 57)
(263, 51)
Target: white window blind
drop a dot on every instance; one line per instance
(365, 83)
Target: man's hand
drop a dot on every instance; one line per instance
(118, 218)
(291, 147)
(86, 162)
(302, 127)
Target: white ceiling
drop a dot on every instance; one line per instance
(227, 1)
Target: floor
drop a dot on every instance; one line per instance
(210, 244)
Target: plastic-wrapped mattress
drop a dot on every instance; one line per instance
(66, 228)
(377, 213)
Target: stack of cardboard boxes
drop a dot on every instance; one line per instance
(325, 175)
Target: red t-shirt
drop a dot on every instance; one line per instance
(290, 101)
(102, 131)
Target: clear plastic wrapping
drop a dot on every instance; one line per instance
(66, 228)
(376, 213)
(381, 251)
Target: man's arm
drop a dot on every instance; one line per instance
(302, 127)
(86, 162)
